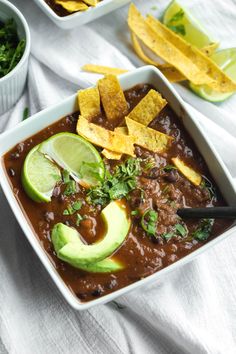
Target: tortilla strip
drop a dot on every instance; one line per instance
(148, 138)
(148, 108)
(104, 70)
(105, 138)
(121, 130)
(165, 49)
(89, 102)
(112, 97)
(72, 6)
(111, 155)
(220, 81)
(91, 2)
(170, 72)
(187, 171)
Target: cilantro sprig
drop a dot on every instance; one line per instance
(11, 48)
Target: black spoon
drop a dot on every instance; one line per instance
(225, 212)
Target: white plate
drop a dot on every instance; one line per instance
(82, 17)
(41, 120)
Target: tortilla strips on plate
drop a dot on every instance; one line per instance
(172, 74)
(89, 102)
(111, 155)
(148, 108)
(104, 70)
(165, 49)
(187, 171)
(105, 138)
(220, 82)
(112, 97)
(72, 6)
(148, 138)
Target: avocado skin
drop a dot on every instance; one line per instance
(93, 258)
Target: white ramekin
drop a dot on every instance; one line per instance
(12, 85)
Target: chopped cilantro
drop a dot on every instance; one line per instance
(181, 230)
(71, 209)
(11, 48)
(203, 232)
(70, 188)
(168, 168)
(177, 28)
(149, 163)
(66, 176)
(206, 183)
(78, 219)
(134, 212)
(25, 113)
(149, 221)
(116, 185)
(77, 205)
(177, 16)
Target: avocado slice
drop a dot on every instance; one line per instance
(62, 235)
(92, 258)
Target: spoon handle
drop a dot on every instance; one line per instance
(225, 212)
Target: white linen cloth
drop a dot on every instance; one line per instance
(193, 309)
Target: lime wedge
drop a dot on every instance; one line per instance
(39, 176)
(181, 21)
(226, 60)
(76, 155)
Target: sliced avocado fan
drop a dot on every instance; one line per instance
(93, 258)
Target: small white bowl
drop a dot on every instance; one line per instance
(146, 74)
(12, 85)
(81, 17)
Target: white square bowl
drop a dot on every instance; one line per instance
(50, 115)
(82, 17)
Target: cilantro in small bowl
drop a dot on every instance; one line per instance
(11, 47)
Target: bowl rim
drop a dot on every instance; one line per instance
(70, 297)
(27, 35)
(73, 15)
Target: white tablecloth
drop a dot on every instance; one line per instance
(192, 310)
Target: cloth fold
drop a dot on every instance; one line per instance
(191, 310)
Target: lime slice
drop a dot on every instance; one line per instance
(177, 18)
(76, 155)
(226, 60)
(39, 176)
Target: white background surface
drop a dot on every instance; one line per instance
(192, 310)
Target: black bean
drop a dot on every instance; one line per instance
(171, 176)
(12, 172)
(152, 174)
(97, 292)
(15, 155)
(81, 296)
(67, 222)
(157, 240)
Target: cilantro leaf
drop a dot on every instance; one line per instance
(179, 29)
(203, 232)
(149, 221)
